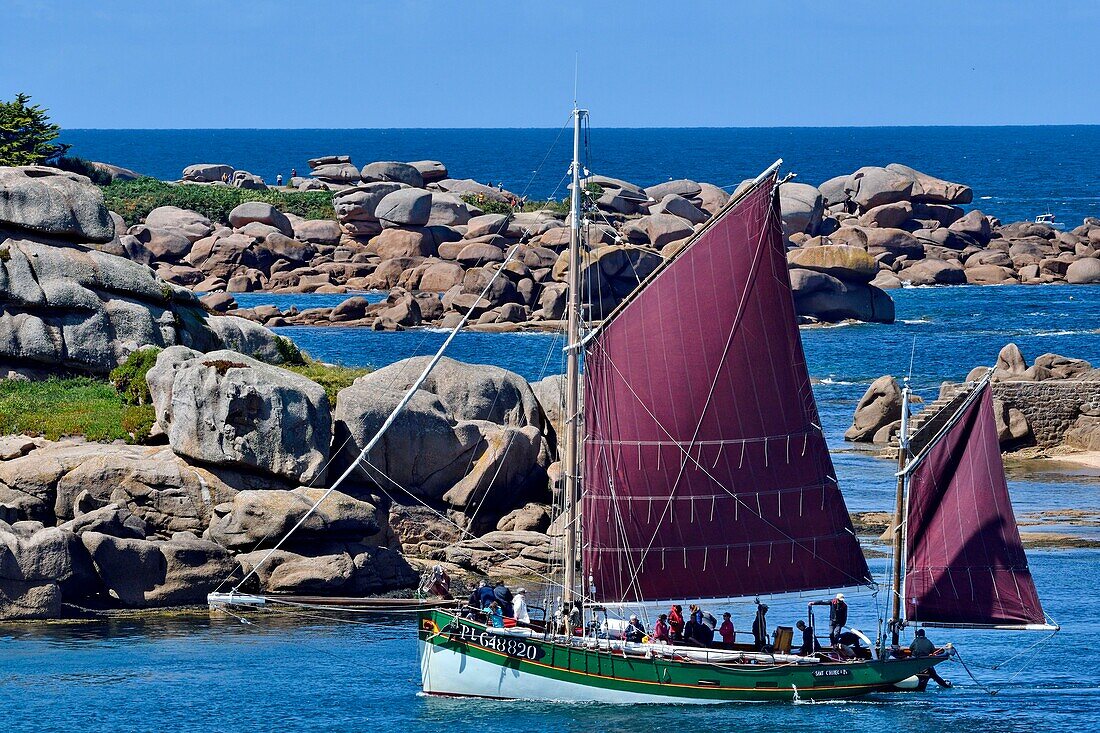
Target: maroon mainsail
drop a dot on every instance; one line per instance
(706, 472)
(965, 564)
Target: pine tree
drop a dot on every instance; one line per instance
(26, 134)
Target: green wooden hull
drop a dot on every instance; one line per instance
(461, 657)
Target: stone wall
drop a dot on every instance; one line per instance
(1051, 407)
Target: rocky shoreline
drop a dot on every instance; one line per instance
(433, 242)
(242, 447)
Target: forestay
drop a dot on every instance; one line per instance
(706, 472)
(965, 563)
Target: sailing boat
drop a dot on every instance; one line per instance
(706, 476)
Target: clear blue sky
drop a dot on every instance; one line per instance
(452, 63)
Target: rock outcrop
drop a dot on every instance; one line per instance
(227, 409)
(878, 413)
(1052, 403)
(471, 436)
(66, 305)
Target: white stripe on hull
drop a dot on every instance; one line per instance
(450, 672)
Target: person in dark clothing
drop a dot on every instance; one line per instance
(850, 646)
(838, 616)
(922, 646)
(503, 596)
(485, 595)
(634, 632)
(809, 642)
(760, 628)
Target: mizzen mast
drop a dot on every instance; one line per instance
(573, 370)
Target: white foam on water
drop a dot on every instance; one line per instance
(830, 380)
(916, 320)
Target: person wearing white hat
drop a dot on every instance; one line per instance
(635, 631)
(519, 607)
(838, 616)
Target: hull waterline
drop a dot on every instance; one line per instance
(463, 658)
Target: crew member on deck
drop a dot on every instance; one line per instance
(676, 623)
(729, 634)
(809, 642)
(634, 632)
(494, 614)
(576, 618)
(504, 597)
(922, 646)
(661, 631)
(519, 607)
(838, 616)
(485, 595)
(760, 628)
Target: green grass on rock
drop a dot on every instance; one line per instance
(133, 200)
(57, 407)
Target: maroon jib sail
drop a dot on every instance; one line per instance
(965, 564)
(706, 472)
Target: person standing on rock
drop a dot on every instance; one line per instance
(293, 172)
(519, 607)
(278, 179)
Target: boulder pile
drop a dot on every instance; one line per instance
(69, 298)
(916, 229)
(463, 478)
(411, 229)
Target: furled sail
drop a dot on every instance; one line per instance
(706, 472)
(965, 563)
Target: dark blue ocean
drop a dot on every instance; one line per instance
(191, 672)
(1016, 172)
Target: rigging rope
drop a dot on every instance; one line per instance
(385, 425)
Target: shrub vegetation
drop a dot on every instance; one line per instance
(128, 377)
(133, 200)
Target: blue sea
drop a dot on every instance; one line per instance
(1016, 172)
(190, 671)
(186, 671)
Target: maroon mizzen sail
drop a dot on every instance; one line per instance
(965, 563)
(706, 471)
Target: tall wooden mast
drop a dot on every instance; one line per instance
(573, 370)
(896, 589)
